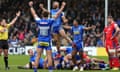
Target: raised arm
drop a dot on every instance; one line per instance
(60, 10)
(33, 10)
(89, 28)
(67, 27)
(42, 7)
(14, 20)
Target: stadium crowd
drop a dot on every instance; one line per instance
(88, 12)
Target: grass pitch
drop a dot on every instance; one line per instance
(16, 60)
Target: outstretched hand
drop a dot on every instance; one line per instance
(31, 3)
(41, 5)
(18, 13)
(63, 4)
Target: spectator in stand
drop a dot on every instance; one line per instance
(90, 11)
(13, 42)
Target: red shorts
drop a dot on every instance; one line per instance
(111, 44)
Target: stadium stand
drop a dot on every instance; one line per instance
(89, 12)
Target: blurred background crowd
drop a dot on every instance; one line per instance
(89, 12)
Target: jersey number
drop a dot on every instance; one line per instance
(44, 32)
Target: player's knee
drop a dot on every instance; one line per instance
(57, 43)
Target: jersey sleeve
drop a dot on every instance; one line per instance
(52, 20)
(8, 25)
(62, 14)
(71, 30)
(83, 27)
(37, 20)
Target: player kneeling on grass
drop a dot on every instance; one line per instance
(44, 37)
(31, 64)
(67, 59)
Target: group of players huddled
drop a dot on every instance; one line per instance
(64, 61)
(73, 57)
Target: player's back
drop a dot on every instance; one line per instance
(44, 26)
(58, 21)
(77, 33)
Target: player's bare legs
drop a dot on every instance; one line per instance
(62, 33)
(82, 60)
(74, 52)
(39, 52)
(57, 41)
(49, 56)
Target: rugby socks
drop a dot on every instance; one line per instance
(101, 65)
(35, 69)
(114, 62)
(6, 61)
(67, 64)
(50, 68)
(58, 66)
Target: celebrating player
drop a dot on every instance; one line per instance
(4, 37)
(57, 26)
(77, 32)
(111, 42)
(44, 37)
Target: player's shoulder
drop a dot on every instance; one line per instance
(81, 26)
(51, 19)
(105, 29)
(54, 10)
(37, 19)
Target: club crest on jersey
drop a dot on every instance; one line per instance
(76, 32)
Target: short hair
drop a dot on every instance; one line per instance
(45, 13)
(29, 50)
(110, 17)
(55, 2)
(77, 20)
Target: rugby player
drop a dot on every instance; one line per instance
(58, 31)
(31, 63)
(111, 42)
(77, 32)
(44, 38)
